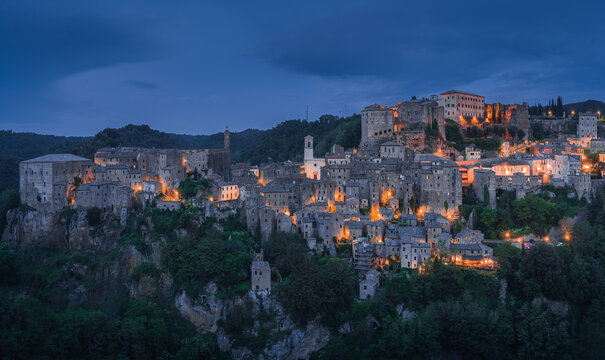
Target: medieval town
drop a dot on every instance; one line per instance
(395, 199)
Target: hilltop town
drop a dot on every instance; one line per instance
(395, 200)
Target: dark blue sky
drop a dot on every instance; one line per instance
(76, 67)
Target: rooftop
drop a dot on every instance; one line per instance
(56, 158)
(461, 92)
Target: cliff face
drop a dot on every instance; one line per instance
(288, 341)
(46, 228)
(38, 227)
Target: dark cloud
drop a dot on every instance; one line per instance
(438, 43)
(40, 45)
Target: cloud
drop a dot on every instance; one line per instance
(438, 45)
(42, 46)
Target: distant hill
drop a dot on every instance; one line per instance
(586, 106)
(285, 141)
(282, 142)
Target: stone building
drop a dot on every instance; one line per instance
(587, 128)
(438, 182)
(260, 215)
(485, 179)
(413, 254)
(471, 152)
(49, 179)
(395, 150)
(105, 195)
(462, 106)
(276, 198)
(369, 285)
(261, 276)
(377, 122)
(597, 146)
(418, 114)
(225, 191)
(580, 181)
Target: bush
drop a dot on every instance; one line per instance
(189, 188)
(145, 269)
(9, 199)
(93, 216)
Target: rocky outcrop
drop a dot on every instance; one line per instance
(34, 227)
(300, 343)
(203, 313)
(559, 308)
(295, 343)
(43, 227)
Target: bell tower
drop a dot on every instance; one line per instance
(308, 147)
(227, 135)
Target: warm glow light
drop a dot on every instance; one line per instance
(546, 239)
(507, 235)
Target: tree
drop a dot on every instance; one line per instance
(485, 195)
(93, 216)
(412, 203)
(9, 199)
(537, 130)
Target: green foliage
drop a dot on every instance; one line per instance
(537, 130)
(432, 131)
(195, 262)
(285, 141)
(327, 287)
(145, 269)
(9, 199)
(286, 252)
(487, 144)
(537, 213)
(38, 321)
(344, 250)
(454, 135)
(134, 238)
(346, 134)
(189, 188)
(165, 222)
(93, 216)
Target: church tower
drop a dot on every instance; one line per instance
(227, 135)
(308, 147)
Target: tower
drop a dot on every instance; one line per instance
(226, 139)
(308, 147)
